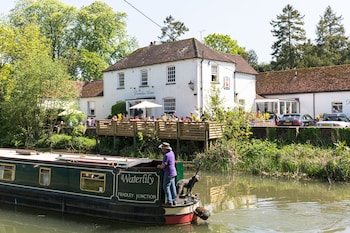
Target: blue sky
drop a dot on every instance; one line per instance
(247, 22)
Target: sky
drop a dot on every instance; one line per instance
(247, 22)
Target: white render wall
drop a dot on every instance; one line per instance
(157, 88)
(318, 103)
(195, 70)
(99, 106)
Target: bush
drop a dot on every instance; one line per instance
(60, 141)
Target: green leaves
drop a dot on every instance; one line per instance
(172, 29)
(87, 40)
(224, 43)
(290, 34)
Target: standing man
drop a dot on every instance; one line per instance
(168, 165)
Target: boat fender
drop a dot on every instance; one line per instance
(202, 213)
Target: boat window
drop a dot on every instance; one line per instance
(45, 176)
(7, 172)
(93, 182)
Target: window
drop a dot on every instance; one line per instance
(7, 172)
(214, 73)
(45, 176)
(144, 78)
(120, 81)
(93, 182)
(91, 108)
(337, 107)
(169, 105)
(171, 74)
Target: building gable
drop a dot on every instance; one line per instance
(177, 51)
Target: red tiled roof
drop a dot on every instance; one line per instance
(92, 89)
(308, 80)
(176, 51)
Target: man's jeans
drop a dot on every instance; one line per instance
(169, 189)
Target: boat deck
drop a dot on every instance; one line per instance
(72, 158)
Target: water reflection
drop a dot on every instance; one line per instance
(238, 204)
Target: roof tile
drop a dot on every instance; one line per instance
(176, 51)
(307, 80)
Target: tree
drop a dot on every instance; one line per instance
(78, 36)
(35, 88)
(224, 43)
(252, 59)
(290, 34)
(51, 16)
(172, 29)
(331, 40)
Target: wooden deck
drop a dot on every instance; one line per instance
(194, 131)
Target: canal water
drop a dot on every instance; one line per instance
(237, 204)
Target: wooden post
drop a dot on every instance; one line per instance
(134, 127)
(206, 136)
(177, 136)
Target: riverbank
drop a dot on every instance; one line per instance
(266, 158)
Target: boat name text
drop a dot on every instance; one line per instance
(135, 179)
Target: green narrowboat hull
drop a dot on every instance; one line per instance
(108, 187)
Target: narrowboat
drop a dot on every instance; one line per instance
(108, 187)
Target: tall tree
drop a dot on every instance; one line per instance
(52, 17)
(35, 84)
(331, 40)
(252, 59)
(290, 34)
(224, 43)
(95, 29)
(172, 29)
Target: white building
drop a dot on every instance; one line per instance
(313, 91)
(178, 75)
(91, 100)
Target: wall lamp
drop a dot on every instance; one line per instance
(191, 85)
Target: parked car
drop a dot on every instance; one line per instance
(334, 120)
(335, 117)
(295, 119)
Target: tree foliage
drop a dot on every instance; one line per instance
(34, 89)
(331, 40)
(290, 34)
(172, 29)
(224, 43)
(87, 40)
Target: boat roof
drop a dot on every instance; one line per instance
(104, 160)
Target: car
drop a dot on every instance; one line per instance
(335, 117)
(295, 119)
(334, 120)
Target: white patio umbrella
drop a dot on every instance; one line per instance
(69, 111)
(146, 105)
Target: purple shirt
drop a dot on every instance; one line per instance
(169, 161)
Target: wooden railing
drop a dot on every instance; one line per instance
(195, 131)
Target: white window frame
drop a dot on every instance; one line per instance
(214, 73)
(121, 81)
(91, 108)
(171, 74)
(144, 78)
(169, 105)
